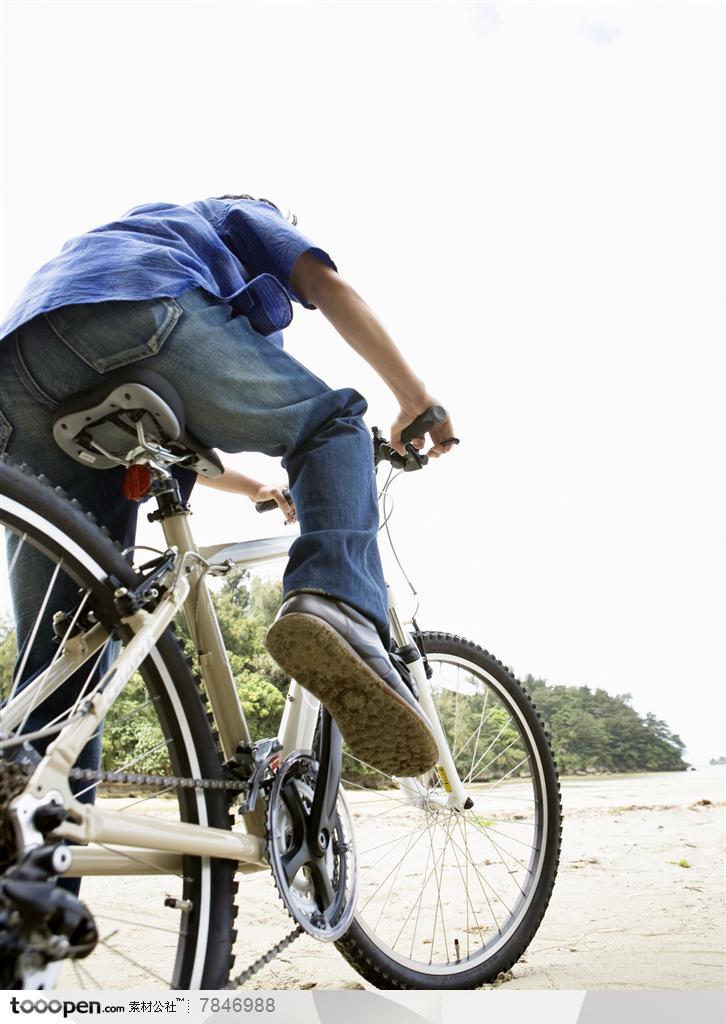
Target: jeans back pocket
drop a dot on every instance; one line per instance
(108, 335)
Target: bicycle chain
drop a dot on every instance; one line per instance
(171, 781)
(271, 953)
(177, 782)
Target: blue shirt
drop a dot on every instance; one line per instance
(241, 251)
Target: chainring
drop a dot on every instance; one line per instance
(324, 911)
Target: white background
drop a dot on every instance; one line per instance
(530, 196)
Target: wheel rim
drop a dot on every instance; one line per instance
(444, 891)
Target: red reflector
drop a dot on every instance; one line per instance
(137, 481)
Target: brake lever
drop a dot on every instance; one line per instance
(384, 452)
(414, 459)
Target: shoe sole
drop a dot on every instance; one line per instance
(379, 726)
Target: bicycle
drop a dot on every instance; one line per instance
(434, 882)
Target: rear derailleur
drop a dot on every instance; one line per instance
(41, 923)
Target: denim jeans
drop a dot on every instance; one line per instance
(241, 393)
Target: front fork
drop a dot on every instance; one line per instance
(456, 795)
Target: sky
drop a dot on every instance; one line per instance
(530, 196)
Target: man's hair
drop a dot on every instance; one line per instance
(288, 216)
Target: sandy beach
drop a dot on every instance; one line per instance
(638, 903)
(624, 913)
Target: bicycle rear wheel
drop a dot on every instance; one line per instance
(172, 927)
(449, 899)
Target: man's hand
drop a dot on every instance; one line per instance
(266, 491)
(439, 434)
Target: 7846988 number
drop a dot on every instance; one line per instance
(237, 1004)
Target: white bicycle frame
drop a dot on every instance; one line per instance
(147, 848)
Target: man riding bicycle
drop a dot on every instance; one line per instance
(200, 293)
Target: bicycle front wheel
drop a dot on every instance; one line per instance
(157, 925)
(450, 899)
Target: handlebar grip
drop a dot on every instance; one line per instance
(423, 423)
(270, 504)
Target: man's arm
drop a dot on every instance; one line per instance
(235, 482)
(356, 322)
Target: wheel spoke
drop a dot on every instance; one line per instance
(142, 860)
(136, 924)
(486, 828)
(489, 788)
(485, 833)
(388, 842)
(471, 863)
(465, 879)
(144, 799)
(132, 714)
(67, 714)
(482, 722)
(384, 775)
(38, 734)
(130, 960)
(83, 969)
(400, 805)
(18, 549)
(482, 881)
(18, 675)
(427, 879)
(418, 909)
(380, 794)
(439, 907)
(59, 651)
(79, 977)
(393, 881)
(381, 884)
(501, 754)
(472, 770)
(474, 734)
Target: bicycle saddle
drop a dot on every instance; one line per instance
(99, 427)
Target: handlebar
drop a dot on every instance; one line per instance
(413, 459)
(384, 452)
(424, 422)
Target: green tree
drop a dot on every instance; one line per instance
(8, 654)
(132, 735)
(245, 607)
(594, 731)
